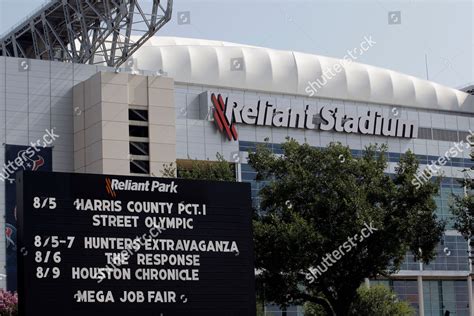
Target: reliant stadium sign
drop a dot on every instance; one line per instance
(227, 114)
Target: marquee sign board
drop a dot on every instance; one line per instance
(113, 245)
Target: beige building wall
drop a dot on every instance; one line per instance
(101, 131)
(162, 113)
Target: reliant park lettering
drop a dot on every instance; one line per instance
(333, 118)
(145, 186)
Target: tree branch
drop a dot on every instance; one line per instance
(319, 301)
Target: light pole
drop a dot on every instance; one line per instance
(419, 280)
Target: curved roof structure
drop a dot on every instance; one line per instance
(207, 62)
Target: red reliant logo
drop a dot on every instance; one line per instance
(224, 125)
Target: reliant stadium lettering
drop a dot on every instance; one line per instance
(332, 119)
(371, 124)
(265, 114)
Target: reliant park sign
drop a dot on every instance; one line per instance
(263, 113)
(111, 245)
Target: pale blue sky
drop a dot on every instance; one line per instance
(441, 29)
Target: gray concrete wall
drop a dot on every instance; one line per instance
(35, 96)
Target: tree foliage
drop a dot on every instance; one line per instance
(379, 301)
(463, 211)
(316, 199)
(219, 170)
(374, 301)
(463, 206)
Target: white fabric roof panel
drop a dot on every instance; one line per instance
(206, 62)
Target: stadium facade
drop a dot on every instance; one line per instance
(179, 99)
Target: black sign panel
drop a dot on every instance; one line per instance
(19, 157)
(113, 245)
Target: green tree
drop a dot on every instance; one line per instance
(311, 309)
(316, 200)
(219, 170)
(374, 301)
(463, 206)
(379, 301)
(463, 211)
(260, 309)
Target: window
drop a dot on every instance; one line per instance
(138, 115)
(139, 148)
(425, 133)
(140, 166)
(138, 131)
(406, 290)
(445, 135)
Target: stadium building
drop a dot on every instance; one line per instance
(178, 99)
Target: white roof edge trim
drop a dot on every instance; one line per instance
(401, 90)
